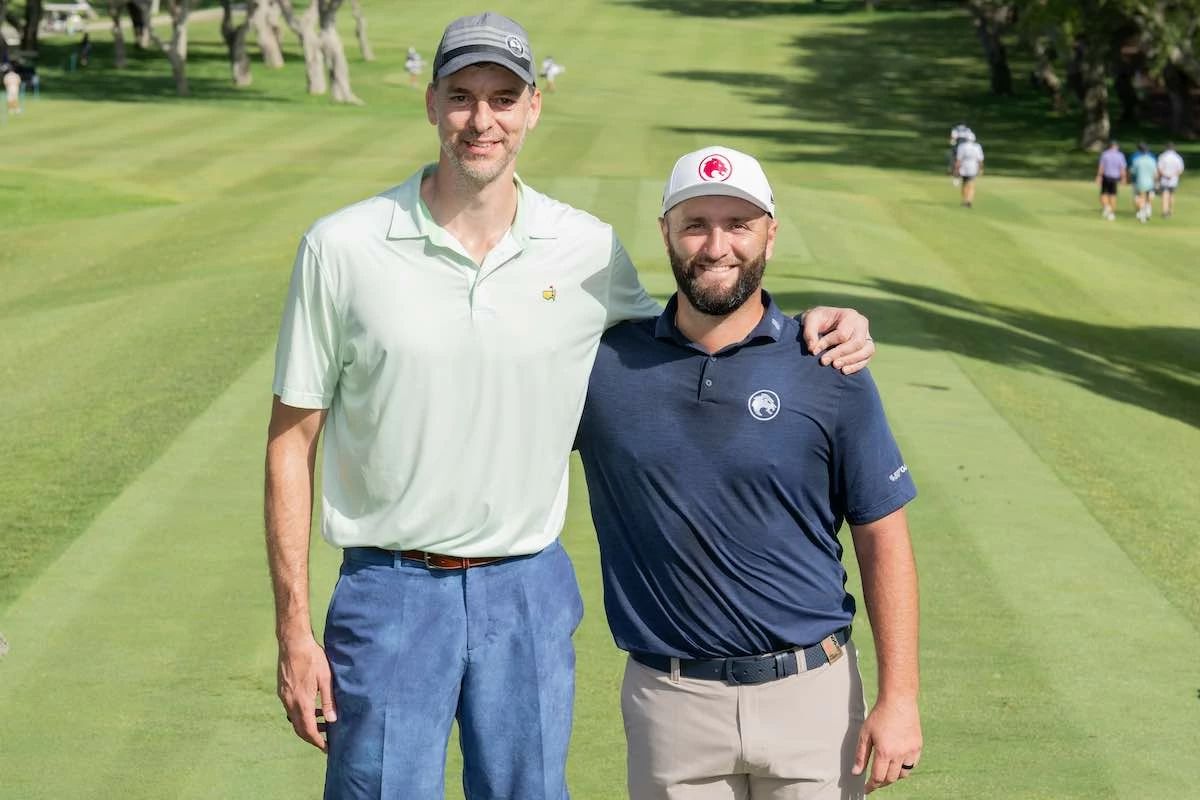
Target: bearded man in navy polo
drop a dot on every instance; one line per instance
(722, 459)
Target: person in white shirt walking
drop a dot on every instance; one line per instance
(968, 166)
(1170, 167)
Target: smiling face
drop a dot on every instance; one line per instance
(482, 114)
(719, 247)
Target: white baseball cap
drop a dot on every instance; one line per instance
(722, 171)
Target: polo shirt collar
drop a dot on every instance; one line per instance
(411, 218)
(770, 327)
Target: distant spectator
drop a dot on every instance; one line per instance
(1170, 167)
(551, 69)
(968, 166)
(1109, 174)
(414, 64)
(958, 134)
(1143, 170)
(85, 49)
(12, 87)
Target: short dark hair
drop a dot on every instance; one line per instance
(1142, 147)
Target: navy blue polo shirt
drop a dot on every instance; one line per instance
(718, 485)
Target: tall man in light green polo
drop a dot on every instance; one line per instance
(441, 334)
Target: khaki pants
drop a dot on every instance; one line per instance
(788, 739)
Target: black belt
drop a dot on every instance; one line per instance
(754, 669)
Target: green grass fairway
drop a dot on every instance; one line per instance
(1041, 369)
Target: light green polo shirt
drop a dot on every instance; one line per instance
(454, 389)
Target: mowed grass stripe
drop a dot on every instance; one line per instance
(165, 598)
(976, 659)
(229, 298)
(1083, 603)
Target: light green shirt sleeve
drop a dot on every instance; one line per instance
(307, 356)
(627, 298)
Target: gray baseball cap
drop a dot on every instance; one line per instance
(487, 38)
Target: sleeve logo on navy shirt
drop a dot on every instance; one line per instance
(763, 405)
(895, 476)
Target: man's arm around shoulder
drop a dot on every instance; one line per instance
(889, 575)
(290, 469)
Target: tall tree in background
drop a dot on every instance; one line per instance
(1169, 37)
(266, 31)
(114, 12)
(235, 40)
(324, 57)
(33, 20)
(993, 19)
(1092, 27)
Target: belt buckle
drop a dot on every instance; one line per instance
(833, 650)
(430, 565)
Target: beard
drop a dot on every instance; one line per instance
(480, 172)
(716, 301)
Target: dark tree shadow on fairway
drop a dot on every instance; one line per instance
(1156, 368)
(884, 90)
(148, 75)
(730, 9)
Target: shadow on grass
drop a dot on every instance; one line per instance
(712, 9)
(884, 90)
(1156, 368)
(147, 77)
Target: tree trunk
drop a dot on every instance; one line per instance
(335, 55)
(114, 11)
(991, 21)
(33, 24)
(360, 30)
(310, 40)
(176, 49)
(1044, 75)
(267, 35)
(1096, 126)
(235, 42)
(1179, 93)
(1126, 93)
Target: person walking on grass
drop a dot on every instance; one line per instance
(439, 335)
(1110, 173)
(1143, 172)
(1170, 167)
(721, 461)
(968, 166)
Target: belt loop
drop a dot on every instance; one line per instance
(801, 660)
(674, 670)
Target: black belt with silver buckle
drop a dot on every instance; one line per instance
(754, 669)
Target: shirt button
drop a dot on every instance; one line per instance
(712, 359)
(708, 382)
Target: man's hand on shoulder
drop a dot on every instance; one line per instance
(892, 732)
(840, 336)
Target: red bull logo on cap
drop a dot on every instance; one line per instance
(715, 168)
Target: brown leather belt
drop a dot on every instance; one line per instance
(439, 561)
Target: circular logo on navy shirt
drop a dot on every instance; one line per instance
(763, 405)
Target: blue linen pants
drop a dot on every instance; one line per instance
(413, 648)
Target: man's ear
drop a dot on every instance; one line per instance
(430, 108)
(772, 228)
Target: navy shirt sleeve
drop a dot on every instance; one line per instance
(870, 476)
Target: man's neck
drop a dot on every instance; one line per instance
(712, 333)
(477, 216)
